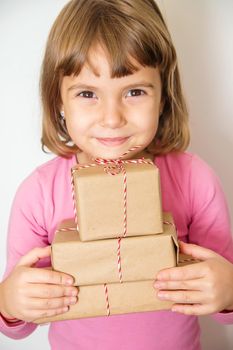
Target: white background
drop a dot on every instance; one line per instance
(203, 34)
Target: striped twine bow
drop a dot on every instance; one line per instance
(112, 167)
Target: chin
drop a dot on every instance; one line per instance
(110, 154)
(117, 153)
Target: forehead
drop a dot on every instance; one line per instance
(97, 72)
(99, 62)
(91, 80)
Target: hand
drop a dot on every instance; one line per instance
(29, 293)
(199, 288)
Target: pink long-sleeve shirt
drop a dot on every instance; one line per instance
(190, 191)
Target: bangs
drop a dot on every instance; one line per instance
(125, 41)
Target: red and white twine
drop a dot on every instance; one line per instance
(106, 298)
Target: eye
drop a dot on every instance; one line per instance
(87, 94)
(135, 93)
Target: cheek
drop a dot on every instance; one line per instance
(76, 117)
(148, 120)
(76, 127)
(152, 127)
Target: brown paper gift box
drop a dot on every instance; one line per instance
(95, 262)
(99, 201)
(123, 298)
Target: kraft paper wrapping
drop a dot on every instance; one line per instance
(99, 201)
(123, 298)
(95, 262)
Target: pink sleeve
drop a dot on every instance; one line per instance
(26, 230)
(210, 223)
(17, 330)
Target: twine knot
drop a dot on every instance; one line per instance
(111, 166)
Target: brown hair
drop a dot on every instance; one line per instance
(127, 29)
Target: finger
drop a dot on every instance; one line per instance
(36, 275)
(195, 309)
(179, 285)
(49, 291)
(188, 272)
(34, 255)
(51, 303)
(196, 251)
(181, 297)
(35, 314)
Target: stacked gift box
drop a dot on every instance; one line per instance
(119, 240)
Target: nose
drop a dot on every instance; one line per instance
(112, 115)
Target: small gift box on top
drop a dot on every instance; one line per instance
(117, 198)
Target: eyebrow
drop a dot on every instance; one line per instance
(130, 86)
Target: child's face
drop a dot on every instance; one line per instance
(107, 116)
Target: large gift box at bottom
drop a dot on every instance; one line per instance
(94, 267)
(123, 298)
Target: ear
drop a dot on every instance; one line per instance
(61, 107)
(62, 113)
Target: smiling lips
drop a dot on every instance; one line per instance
(113, 141)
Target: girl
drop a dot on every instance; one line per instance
(110, 82)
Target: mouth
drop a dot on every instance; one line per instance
(112, 141)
